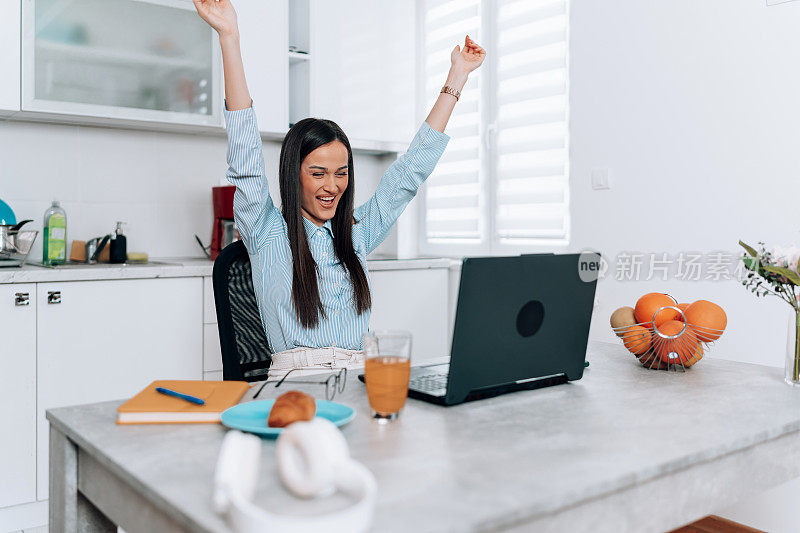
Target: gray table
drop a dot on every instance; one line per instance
(623, 449)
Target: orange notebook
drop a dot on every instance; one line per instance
(151, 407)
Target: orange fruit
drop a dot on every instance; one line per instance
(648, 304)
(683, 308)
(675, 350)
(636, 339)
(695, 357)
(651, 360)
(707, 319)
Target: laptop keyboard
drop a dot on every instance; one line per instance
(429, 380)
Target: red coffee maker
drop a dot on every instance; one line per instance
(224, 230)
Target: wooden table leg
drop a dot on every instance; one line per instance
(69, 510)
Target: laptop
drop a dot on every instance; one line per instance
(521, 323)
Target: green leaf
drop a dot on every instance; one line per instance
(750, 249)
(751, 263)
(791, 275)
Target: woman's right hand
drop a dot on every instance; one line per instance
(219, 14)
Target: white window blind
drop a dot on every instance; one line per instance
(453, 201)
(503, 181)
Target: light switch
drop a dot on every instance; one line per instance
(600, 179)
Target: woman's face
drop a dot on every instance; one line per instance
(323, 180)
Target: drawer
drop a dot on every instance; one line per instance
(212, 355)
(209, 308)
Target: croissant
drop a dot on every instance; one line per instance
(291, 407)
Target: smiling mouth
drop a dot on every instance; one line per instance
(326, 201)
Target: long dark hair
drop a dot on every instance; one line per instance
(303, 138)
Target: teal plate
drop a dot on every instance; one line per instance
(252, 416)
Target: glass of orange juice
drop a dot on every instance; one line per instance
(387, 364)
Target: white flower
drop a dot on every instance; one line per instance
(786, 257)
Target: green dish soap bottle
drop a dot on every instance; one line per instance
(54, 248)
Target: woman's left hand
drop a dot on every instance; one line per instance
(469, 58)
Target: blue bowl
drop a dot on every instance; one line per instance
(252, 416)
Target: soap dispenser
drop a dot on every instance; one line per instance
(119, 246)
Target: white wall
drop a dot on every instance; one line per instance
(160, 183)
(694, 106)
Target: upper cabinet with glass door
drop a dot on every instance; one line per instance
(9, 58)
(125, 60)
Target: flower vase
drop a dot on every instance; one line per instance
(792, 372)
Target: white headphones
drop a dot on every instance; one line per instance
(313, 460)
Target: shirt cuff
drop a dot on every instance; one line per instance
(427, 146)
(433, 136)
(237, 116)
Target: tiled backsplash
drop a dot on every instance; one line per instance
(159, 183)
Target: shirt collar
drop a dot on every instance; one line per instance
(312, 228)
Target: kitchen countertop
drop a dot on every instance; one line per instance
(173, 268)
(623, 449)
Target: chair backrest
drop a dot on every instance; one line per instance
(246, 355)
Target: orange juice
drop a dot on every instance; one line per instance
(387, 382)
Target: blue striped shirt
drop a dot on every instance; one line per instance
(263, 230)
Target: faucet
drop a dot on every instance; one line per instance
(94, 247)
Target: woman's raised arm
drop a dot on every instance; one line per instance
(220, 15)
(401, 180)
(462, 62)
(253, 209)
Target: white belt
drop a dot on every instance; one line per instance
(314, 359)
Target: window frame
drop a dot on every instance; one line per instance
(489, 243)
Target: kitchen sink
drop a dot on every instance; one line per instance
(76, 264)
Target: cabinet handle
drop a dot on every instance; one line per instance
(22, 298)
(54, 297)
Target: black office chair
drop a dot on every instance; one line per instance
(246, 355)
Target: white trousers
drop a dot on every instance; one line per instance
(307, 361)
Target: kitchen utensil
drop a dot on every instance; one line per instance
(17, 247)
(203, 246)
(94, 247)
(78, 252)
(223, 231)
(8, 236)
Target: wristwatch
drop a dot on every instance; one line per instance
(449, 90)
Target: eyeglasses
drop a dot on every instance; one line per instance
(335, 383)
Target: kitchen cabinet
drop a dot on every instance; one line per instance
(18, 393)
(417, 301)
(120, 63)
(263, 30)
(120, 60)
(212, 353)
(10, 24)
(106, 340)
(362, 68)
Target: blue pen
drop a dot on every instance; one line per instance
(182, 396)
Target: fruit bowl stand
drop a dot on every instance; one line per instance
(660, 350)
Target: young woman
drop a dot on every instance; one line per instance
(309, 259)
